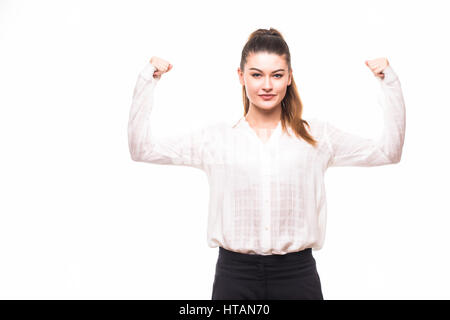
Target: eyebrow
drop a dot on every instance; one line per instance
(261, 71)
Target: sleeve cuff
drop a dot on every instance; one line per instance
(389, 75)
(147, 72)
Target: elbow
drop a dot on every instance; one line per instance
(136, 152)
(141, 155)
(140, 151)
(398, 155)
(391, 156)
(135, 157)
(396, 159)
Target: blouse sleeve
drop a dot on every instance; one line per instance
(348, 149)
(185, 149)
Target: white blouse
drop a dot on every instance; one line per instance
(267, 196)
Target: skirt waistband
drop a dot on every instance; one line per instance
(246, 257)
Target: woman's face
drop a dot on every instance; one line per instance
(265, 73)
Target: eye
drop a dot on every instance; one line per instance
(258, 74)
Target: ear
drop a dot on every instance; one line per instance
(241, 76)
(290, 78)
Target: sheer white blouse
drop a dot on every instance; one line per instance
(267, 195)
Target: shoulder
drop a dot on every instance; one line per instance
(315, 125)
(218, 126)
(216, 129)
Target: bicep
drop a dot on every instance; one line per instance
(185, 149)
(349, 149)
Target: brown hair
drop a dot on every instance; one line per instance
(271, 41)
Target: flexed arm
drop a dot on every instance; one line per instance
(348, 149)
(185, 149)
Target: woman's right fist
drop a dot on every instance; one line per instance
(161, 65)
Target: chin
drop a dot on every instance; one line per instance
(267, 106)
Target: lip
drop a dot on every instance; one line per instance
(267, 96)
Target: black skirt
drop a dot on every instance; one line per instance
(291, 276)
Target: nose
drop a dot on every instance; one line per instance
(267, 84)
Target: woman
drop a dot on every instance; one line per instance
(267, 208)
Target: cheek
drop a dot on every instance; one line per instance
(252, 89)
(281, 90)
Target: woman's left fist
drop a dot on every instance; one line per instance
(377, 66)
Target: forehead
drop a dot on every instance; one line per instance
(266, 61)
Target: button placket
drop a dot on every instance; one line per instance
(265, 175)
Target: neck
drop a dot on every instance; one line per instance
(260, 118)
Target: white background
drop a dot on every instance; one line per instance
(80, 220)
